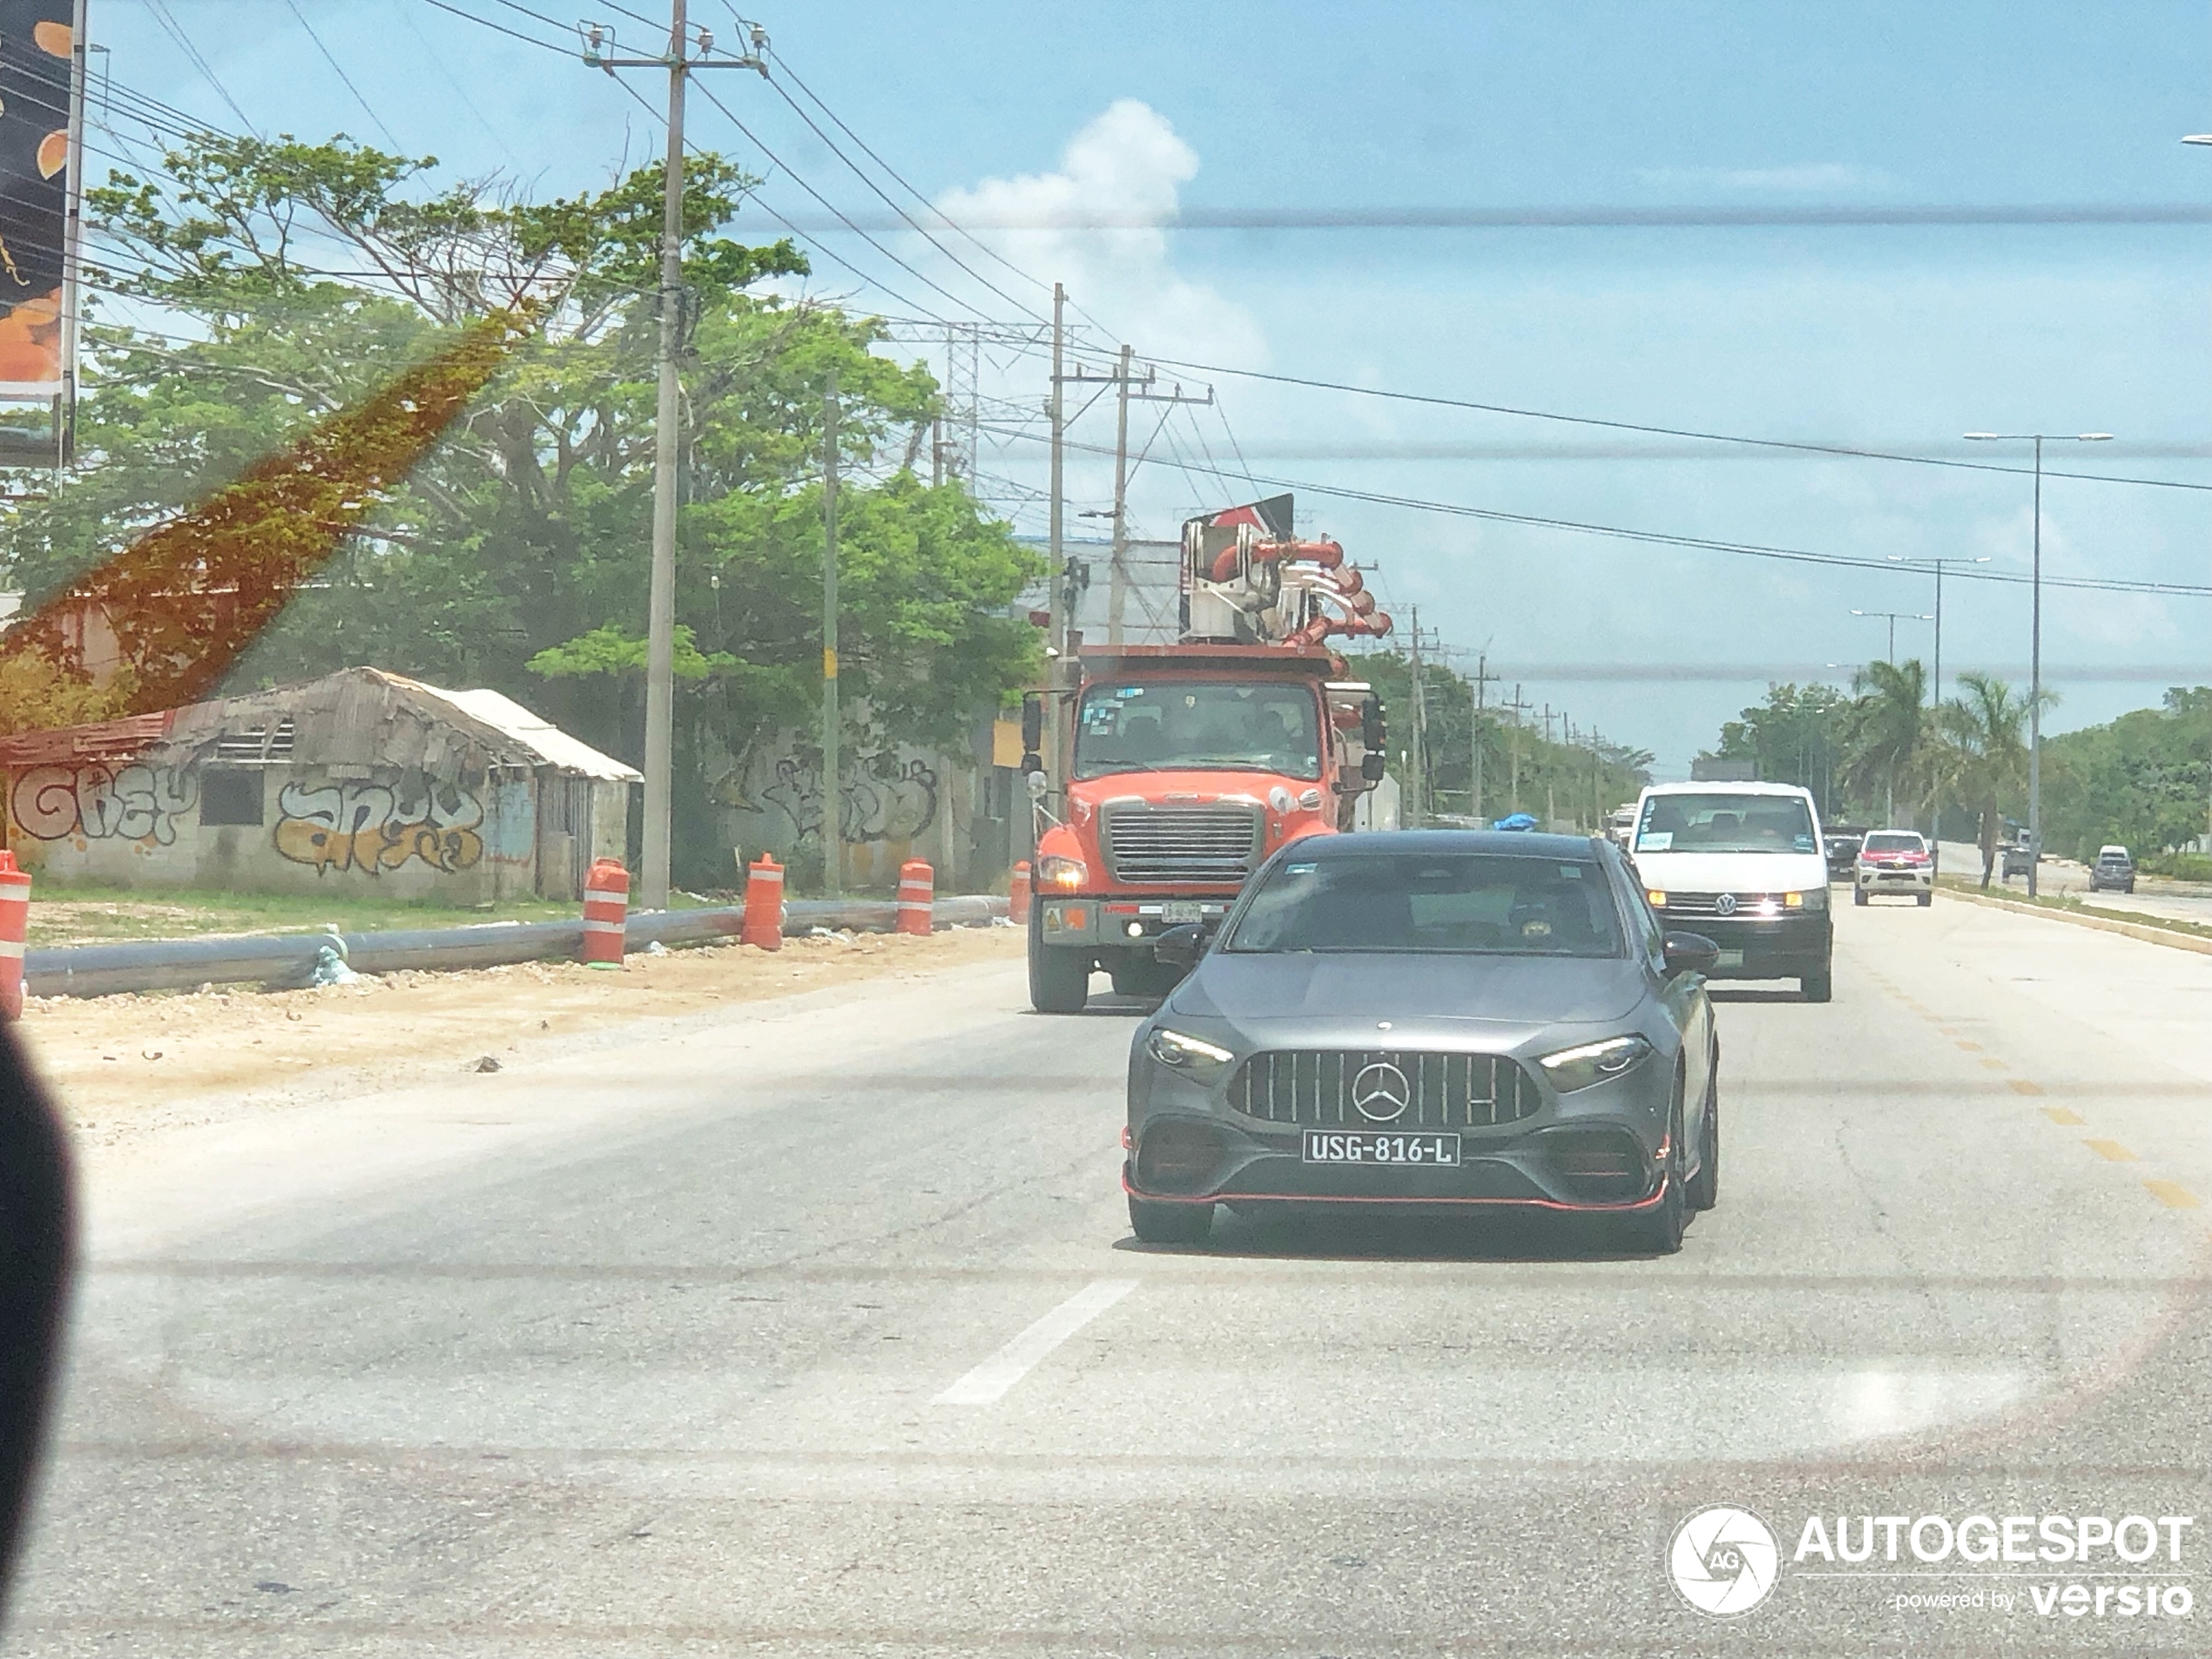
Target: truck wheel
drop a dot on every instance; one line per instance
(1170, 1223)
(1818, 988)
(1059, 978)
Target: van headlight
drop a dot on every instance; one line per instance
(1592, 1062)
(1192, 1056)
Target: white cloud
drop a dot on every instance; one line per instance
(1808, 179)
(1126, 166)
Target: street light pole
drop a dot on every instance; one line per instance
(2035, 635)
(1935, 690)
(1895, 618)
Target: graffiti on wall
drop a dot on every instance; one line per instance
(132, 803)
(884, 798)
(376, 827)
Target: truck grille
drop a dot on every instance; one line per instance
(1216, 844)
(1309, 1086)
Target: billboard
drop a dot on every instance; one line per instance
(36, 71)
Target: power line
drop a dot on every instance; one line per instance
(176, 32)
(1433, 401)
(339, 70)
(1751, 549)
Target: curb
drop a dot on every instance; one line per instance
(286, 961)
(2103, 924)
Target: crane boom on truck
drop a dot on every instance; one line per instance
(1187, 764)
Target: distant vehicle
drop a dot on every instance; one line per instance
(1893, 861)
(1841, 842)
(2114, 871)
(1742, 864)
(1498, 1023)
(2017, 858)
(1619, 825)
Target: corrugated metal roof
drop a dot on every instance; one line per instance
(534, 731)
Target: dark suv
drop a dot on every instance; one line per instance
(2113, 872)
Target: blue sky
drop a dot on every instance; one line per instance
(1893, 338)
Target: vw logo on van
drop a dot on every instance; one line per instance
(1725, 905)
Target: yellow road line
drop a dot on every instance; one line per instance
(2021, 1086)
(1971, 1048)
(2060, 1114)
(2112, 1150)
(1994, 1065)
(2172, 1194)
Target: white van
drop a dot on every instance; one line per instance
(1743, 865)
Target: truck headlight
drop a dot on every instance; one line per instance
(1592, 1062)
(1055, 870)
(1193, 1056)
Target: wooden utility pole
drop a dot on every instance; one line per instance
(1415, 757)
(1482, 677)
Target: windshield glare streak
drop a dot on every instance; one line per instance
(1471, 903)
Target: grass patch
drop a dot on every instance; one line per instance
(85, 915)
(2073, 906)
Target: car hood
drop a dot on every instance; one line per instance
(1732, 871)
(1355, 990)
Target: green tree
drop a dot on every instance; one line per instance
(1884, 735)
(1983, 756)
(1795, 737)
(297, 278)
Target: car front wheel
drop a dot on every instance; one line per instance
(1818, 988)
(1858, 895)
(1657, 1231)
(1704, 1190)
(1170, 1223)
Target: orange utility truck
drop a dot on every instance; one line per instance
(1183, 766)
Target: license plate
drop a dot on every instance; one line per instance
(1381, 1146)
(1729, 959)
(1177, 911)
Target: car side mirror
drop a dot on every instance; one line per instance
(1180, 946)
(1690, 953)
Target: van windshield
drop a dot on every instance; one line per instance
(1722, 822)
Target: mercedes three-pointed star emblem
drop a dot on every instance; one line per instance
(1381, 1092)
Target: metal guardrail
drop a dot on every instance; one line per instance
(289, 959)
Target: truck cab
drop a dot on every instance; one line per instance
(1190, 764)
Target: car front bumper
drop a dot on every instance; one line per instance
(1918, 878)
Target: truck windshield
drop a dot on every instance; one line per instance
(1724, 822)
(1166, 725)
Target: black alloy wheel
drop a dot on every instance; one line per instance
(1657, 1231)
(1704, 1190)
(1170, 1223)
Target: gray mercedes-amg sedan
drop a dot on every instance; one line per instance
(1431, 1018)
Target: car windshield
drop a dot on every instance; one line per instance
(1230, 726)
(1453, 903)
(1894, 842)
(1725, 823)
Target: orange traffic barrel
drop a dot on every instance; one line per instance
(764, 904)
(15, 923)
(606, 903)
(917, 886)
(1017, 894)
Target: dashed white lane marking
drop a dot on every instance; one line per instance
(989, 1381)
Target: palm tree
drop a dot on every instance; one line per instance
(1885, 732)
(1983, 752)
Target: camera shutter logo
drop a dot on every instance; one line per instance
(1723, 1561)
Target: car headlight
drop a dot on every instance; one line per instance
(1055, 870)
(1192, 1056)
(1592, 1062)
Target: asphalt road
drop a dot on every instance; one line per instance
(816, 1328)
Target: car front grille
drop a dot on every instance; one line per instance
(1322, 1086)
(1708, 904)
(1213, 844)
